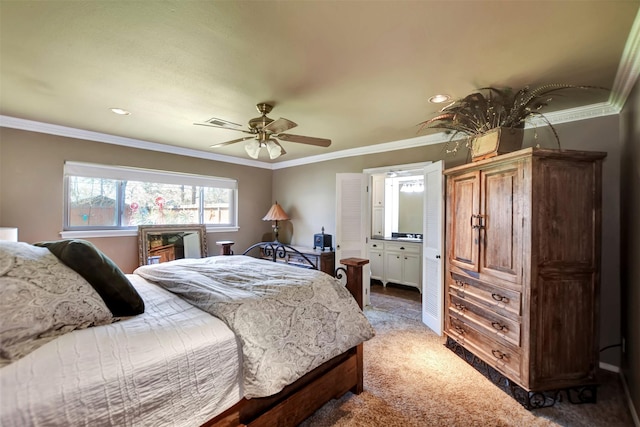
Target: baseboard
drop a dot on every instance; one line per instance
(608, 367)
(632, 408)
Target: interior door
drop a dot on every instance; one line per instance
(432, 249)
(351, 223)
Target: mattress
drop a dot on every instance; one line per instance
(174, 365)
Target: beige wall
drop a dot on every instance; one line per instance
(31, 188)
(308, 194)
(630, 224)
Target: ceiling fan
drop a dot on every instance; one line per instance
(265, 132)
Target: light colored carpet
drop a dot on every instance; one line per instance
(412, 379)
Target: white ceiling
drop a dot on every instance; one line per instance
(356, 72)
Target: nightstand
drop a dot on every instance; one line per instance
(322, 260)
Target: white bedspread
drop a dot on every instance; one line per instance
(104, 376)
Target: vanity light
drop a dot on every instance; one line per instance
(439, 99)
(412, 187)
(120, 111)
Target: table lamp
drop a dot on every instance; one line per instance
(276, 213)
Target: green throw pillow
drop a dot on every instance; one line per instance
(102, 273)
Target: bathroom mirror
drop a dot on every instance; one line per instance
(162, 243)
(404, 204)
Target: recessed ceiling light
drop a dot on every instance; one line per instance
(439, 99)
(120, 111)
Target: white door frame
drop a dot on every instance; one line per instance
(423, 166)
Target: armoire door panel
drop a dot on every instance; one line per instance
(563, 352)
(567, 231)
(464, 204)
(501, 227)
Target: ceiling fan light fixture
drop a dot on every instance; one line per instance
(274, 149)
(264, 132)
(252, 148)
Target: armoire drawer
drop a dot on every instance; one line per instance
(504, 301)
(500, 356)
(485, 321)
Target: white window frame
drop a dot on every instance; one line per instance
(93, 170)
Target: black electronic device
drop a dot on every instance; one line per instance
(322, 241)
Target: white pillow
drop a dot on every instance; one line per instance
(40, 299)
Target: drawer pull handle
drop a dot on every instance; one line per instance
(500, 327)
(460, 307)
(499, 355)
(500, 298)
(459, 329)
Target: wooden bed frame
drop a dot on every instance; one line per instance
(299, 400)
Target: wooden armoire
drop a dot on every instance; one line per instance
(523, 270)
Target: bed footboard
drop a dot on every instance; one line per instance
(276, 250)
(299, 400)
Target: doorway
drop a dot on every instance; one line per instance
(411, 257)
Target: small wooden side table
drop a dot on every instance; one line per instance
(225, 246)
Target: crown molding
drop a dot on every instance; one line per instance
(33, 126)
(556, 117)
(368, 149)
(592, 111)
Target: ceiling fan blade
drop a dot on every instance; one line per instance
(280, 125)
(222, 144)
(222, 127)
(320, 142)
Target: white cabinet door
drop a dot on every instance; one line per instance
(393, 267)
(411, 273)
(376, 262)
(376, 259)
(377, 190)
(377, 222)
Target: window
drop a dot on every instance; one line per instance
(99, 197)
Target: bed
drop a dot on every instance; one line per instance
(175, 363)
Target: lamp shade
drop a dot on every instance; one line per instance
(274, 149)
(276, 213)
(9, 233)
(252, 148)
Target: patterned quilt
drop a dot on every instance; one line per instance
(289, 320)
